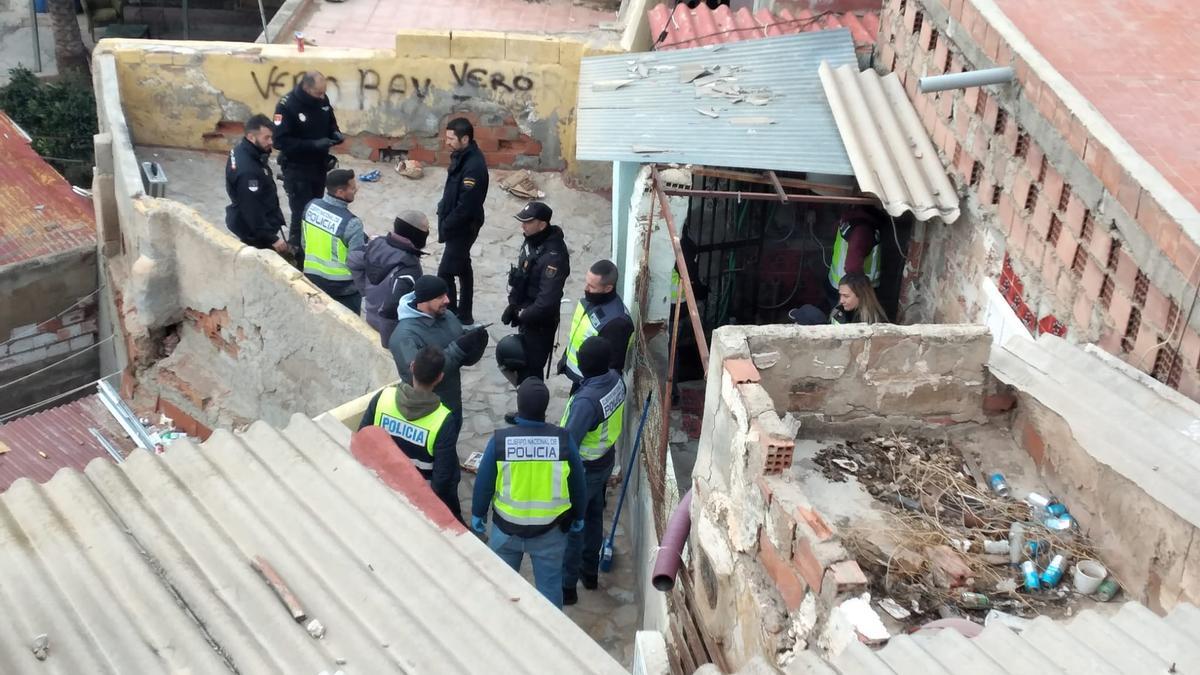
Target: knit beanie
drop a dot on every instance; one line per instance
(532, 399)
(594, 356)
(414, 233)
(429, 287)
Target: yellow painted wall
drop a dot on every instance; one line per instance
(176, 93)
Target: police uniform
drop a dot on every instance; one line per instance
(607, 318)
(841, 248)
(303, 128)
(460, 217)
(535, 292)
(253, 214)
(330, 231)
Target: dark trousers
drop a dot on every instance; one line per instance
(455, 269)
(539, 343)
(302, 185)
(351, 302)
(583, 548)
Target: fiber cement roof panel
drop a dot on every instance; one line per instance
(145, 567)
(655, 118)
(42, 215)
(893, 157)
(701, 25)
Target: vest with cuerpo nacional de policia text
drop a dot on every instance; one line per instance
(531, 475)
(416, 437)
(325, 251)
(611, 402)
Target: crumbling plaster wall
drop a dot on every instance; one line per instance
(221, 331)
(520, 90)
(766, 565)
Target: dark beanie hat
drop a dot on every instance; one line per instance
(411, 232)
(594, 356)
(429, 287)
(532, 399)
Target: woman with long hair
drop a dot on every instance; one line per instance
(857, 302)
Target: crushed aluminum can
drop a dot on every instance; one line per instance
(998, 484)
(1108, 588)
(299, 41)
(1059, 524)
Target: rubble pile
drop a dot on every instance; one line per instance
(957, 543)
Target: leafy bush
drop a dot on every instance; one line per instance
(61, 118)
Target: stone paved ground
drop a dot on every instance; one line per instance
(610, 614)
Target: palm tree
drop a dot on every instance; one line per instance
(69, 52)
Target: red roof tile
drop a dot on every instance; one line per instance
(42, 214)
(701, 26)
(62, 433)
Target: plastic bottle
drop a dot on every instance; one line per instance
(998, 546)
(1029, 571)
(998, 484)
(1054, 571)
(1016, 543)
(975, 600)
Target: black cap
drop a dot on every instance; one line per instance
(535, 211)
(532, 399)
(594, 356)
(429, 287)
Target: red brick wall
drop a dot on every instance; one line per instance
(1059, 260)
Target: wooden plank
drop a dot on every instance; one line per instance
(285, 595)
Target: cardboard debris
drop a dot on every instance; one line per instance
(521, 184)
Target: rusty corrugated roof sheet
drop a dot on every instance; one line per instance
(62, 433)
(145, 567)
(42, 215)
(701, 26)
(892, 156)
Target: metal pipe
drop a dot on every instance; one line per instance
(666, 396)
(670, 549)
(971, 78)
(751, 177)
(107, 445)
(124, 416)
(770, 196)
(37, 39)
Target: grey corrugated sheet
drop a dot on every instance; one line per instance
(145, 568)
(892, 155)
(1133, 640)
(659, 111)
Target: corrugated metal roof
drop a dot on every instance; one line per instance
(42, 214)
(1133, 640)
(892, 156)
(145, 567)
(699, 26)
(659, 112)
(62, 433)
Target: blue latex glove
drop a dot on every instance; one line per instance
(477, 524)
(577, 526)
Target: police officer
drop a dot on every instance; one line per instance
(305, 130)
(540, 494)
(594, 417)
(855, 250)
(253, 214)
(331, 231)
(600, 312)
(460, 214)
(535, 286)
(422, 426)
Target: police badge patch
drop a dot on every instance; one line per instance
(302, 117)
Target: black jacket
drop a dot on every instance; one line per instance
(460, 213)
(253, 213)
(536, 284)
(301, 125)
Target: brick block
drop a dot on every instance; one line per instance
(1082, 314)
(805, 559)
(1186, 253)
(788, 582)
(1100, 244)
(1040, 220)
(1032, 441)
(1118, 310)
(1051, 267)
(1033, 159)
(1073, 216)
(1189, 349)
(782, 528)
(999, 403)
(81, 342)
(1092, 279)
(1007, 211)
(1020, 188)
(742, 371)
(926, 31)
(1052, 186)
(1019, 231)
(1127, 270)
(1110, 340)
(990, 110)
(1066, 248)
(542, 49)
(1155, 310)
(1143, 347)
(1035, 247)
(1129, 192)
(846, 576)
(423, 43)
(472, 44)
(820, 528)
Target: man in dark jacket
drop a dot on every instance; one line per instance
(422, 427)
(387, 268)
(460, 214)
(305, 130)
(253, 214)
(535, 287)
(423, 321)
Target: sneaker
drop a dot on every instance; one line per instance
(570, 596)
(510, 418)
(591, 582)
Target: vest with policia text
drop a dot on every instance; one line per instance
(531, 475)
(837, 267)
(587, 322)
(325, 250)
(415, 437)
(611, 402)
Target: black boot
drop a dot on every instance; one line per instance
(570, 596)
(590, 582)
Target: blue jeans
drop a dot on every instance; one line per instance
(545, 552)
(583, 548)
